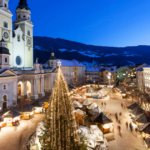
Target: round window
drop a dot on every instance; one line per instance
(18, 60)
(5, 35)
(29, 42)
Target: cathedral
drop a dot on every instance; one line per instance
(19, 76)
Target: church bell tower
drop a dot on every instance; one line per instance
(23, 36)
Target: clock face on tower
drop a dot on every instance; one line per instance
(5, 35)
(29, 42)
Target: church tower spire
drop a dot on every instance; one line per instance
(23, 4)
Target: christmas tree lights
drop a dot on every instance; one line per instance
(60, 123)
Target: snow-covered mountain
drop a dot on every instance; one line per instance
(89, 54)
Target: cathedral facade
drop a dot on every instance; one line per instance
(19, 76)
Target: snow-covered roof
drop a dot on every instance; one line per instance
(80, 112)
(70, 63)
(93, 69)
(110, 69)
(148, 66)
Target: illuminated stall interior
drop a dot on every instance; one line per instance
(79, 114)
(11, 117)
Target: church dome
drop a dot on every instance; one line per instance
(23, 4)
(52, 58)
(4, 50)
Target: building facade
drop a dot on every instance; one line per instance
(93, 74)
(104, 75)
(71, 69)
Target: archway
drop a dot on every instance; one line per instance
(4, 100)
(28, 89)
(20, 86)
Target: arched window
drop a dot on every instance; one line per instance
(24, 16)
(18, 16)
(5, 59)
(18, 38)
(5, 24)
(28, 18)
(5, 5)
(28, 33)
(4, 98)
(4, 87)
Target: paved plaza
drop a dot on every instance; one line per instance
(127, 140)
(14, 138)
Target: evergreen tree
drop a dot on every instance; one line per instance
(60, 123)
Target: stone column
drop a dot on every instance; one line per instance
(42, 93)
(34, 89)
(25, 89)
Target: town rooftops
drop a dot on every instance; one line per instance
(110, 69)
(70, 63)
(94, 69)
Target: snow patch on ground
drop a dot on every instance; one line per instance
(132, 63)
(62, 50)
(112, 54)
(89, 65)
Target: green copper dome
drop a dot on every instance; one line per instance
(23, 4)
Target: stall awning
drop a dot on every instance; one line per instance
(102, 119)
(28, 108)
(11, 114)
(142, 118)
(96, 111)
(133, 106)
(137, 111)
(37, 104)
(86, 102)
(145, 128)
(147, 141)
(76, 104)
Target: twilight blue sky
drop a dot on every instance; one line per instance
(98, 22)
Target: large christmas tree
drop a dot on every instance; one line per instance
(60, 123)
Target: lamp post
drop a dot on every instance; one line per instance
(109, 77)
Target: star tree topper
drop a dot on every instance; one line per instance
(59, 63)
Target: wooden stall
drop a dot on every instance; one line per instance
(28, 112)
(11, 118)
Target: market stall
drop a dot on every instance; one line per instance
(11, 117)
(104, 122)
(38, 107)
(28, 112)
